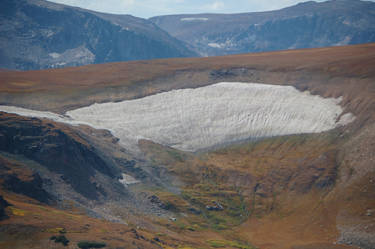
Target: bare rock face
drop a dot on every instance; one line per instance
(32, 188)
(3, 205)
(36, 34)
(60, 150)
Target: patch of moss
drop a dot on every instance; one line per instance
(17, 212)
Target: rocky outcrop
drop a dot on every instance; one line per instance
(32, 188)
(3, 205)
(60, 149)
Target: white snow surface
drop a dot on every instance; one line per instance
(215, 45)
(192, 19)
(55, 55)
(128, 180)
(201, 118)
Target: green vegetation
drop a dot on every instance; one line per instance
(235, 207)
(60, 230)
(227, 243)
(176, 155)
(60, 239)
(17, 212)
(90, 244)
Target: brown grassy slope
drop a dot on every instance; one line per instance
(31, 225)
(296, 191)
(289, 207)
(352, 61)
(336, 71)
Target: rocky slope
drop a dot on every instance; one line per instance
(3, 204)
(306, 25)
(37, 34)
(62, 151)
(295, 191)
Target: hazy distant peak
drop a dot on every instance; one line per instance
(305, 25)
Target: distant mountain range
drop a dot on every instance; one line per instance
(305, 25)
(37, 34)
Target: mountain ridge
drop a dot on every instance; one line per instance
(39, 34)
(305, 25)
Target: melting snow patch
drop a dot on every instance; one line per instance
(192, 19)
(215, 45)
(128, 180)
(195, 119)
(54, 55)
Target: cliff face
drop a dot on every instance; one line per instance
(305, 25)
(37, 34)
(60, 150)
(3, 205)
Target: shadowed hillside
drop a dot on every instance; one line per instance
(37, 34)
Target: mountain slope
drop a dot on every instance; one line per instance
(306, 25)
(36, 34)
(297, 191)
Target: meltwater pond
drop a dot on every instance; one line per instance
(195, 119)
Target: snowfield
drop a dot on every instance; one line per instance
(201, 118)
(192, 19)
(128, 180)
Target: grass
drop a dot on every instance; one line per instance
(206, 181)
(236, 208)
(176, 155)
(227, 243)
(17, 212)
(55, 230)
(278, 155)
(50, 223)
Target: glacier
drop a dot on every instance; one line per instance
(206, 117)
